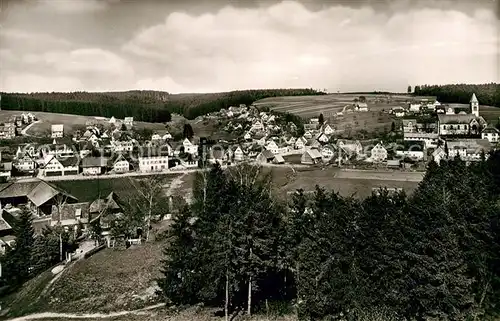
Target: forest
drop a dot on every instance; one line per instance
(148, 106)
(432, 255)
(487, 94)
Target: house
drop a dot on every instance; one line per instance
(37, 196)
(273, 147)
(409, 125)
(129, 122)
(350, 148)
(266, 156)
(5, 171)
(415, 150)
(327, 152)
(361, 106)
(153, 161)
(398, 111)
(69, 216)
(291, 141)
(119, 164)
(261, 141)
(59, 151)
(104, 211)
(57, 131)
(54, 166)
(23, 162)
(112, 120)
(238, 154)
(430, 140)
(311, 157)
(323, 138)
(156, 137)
(92, 165)
(121, 146)
(189, 147)
(278, 159)
(491, 134)
(257, 126)
(248, 136)
(415, 107)
(300, 143)
(308, 134)
(327, 130)
(378, 153)
(7, 131)
(167, 136)
(439, 154)
(468, 149)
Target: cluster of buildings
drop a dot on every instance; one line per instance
(15, 124)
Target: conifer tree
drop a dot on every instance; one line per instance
(21, 255)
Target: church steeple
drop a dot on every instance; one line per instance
(474, 105)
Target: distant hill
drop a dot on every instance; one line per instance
(487, 94)
(149, 106)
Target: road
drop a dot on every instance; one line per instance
(380, 175)
(53, 315)
(24, 131)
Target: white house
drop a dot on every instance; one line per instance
(156, 137)
(361, 106)
(257, 126)
(430, 140)
(327, 130)
(167, 136)
(261, 141)
(415, 107)
(60, 166)
(300, 143)
(323, 138)
(398, 111)
(153, 162)
(122, 146)
(439, 154)
(112, 120)
(273, 147)
(129, 121)
(491, 134)
(24, 162)
(57, 131)
(308, 135)
(189, 147)
(327, 152)
(378, 153)
(238, 154)
(120, 164)
(350, 147)
(247, 136)
(94, 165)
(468, 149)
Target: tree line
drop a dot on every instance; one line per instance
(149, 106)
(487, 94)
(430, 255)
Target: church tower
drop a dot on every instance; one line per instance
(474, 105)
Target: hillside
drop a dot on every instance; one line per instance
(148, 106)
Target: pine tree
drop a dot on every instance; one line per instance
(21, 255)
(321, 119)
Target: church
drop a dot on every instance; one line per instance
(462, 124)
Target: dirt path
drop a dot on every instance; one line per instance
(175, 184)
(24, 131)
(46, 315)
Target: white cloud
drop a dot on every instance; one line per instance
(261, 47)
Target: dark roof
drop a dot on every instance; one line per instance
(37, 192)
(6, 221)
(267, 154)
(110, 202)
(69, 211)
(91, 161)
(154, 152)
(456, 118)
(492, 130)
(18, 189)
(69, 161)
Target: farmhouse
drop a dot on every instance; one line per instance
(70, 215)
(23, 162)
(322, 138)
(119, 164)
(38, 196)
(238, 154)
(7, 131)
(439, 154)
(300, 143)
(327, 130)
(350, 148)
(361, 106)
(55, 166)
(378, 153)
(429, 139)
(94, 165)
(266, 156)
(129, 122)
(327, 152)
(189, 147)
(57, 131)
(414, 150)
(105, 211)
(257, 126)
(491, 134)
(311, 157)
(122, 145)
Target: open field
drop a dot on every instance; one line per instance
(90, 190)
(356, 183)
(70, 122)
(312, 106)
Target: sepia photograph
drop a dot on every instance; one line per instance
(250, 160)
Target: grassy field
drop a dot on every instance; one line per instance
(70, 122)
(312, 106)
(110, 280)
(89, 190)
(346, 185)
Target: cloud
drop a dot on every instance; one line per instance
(288, 45)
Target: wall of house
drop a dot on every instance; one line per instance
(453, 129)
(91, 170)
(153, 164)
(121, 166)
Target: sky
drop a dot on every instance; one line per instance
(186, 46)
